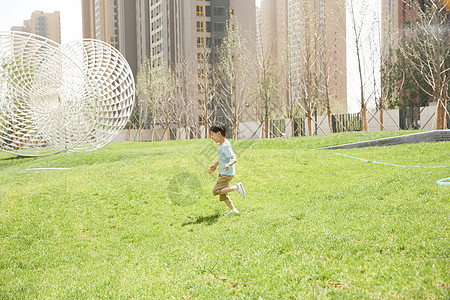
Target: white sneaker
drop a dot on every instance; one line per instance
(240, 189)
(233, 211)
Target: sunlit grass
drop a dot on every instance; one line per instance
(138, 220)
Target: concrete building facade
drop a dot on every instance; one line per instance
(317, 31)
(395, 14)
(100, 21)
(186, 34)
(178, 33)
(274, 37)
(114, 22)
(287, 29)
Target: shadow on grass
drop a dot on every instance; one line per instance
(207, 220)
(18, 158)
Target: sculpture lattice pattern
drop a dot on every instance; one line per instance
(56, 98)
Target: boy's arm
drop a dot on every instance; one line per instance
(213, 167)
(233, 160)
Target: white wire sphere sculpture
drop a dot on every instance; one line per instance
(57, 98)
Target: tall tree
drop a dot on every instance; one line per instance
(206, 84)
(234, 65)
(166, 96)
(265, 93)
(358, 21)
(145, 87)
(426, 51)
(290, 106)
(186, 96)
(309, 67)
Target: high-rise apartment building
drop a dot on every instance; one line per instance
(316, 31)
(183, 33)
(274, 31)
(395, 14)
(47, 25)
(100, 21)
(395, 18)
(114, 22)
(142, 30)
(178, 33)
(287, 29)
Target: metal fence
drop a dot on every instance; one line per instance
(346, 122)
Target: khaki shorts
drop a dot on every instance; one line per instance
(222, 182)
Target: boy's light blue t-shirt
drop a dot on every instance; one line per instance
(225, 152)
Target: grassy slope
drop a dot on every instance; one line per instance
(138, 220)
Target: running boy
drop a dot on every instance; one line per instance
(226, 160)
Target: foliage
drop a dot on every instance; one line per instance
(414, 89)
(234, 70)
(425, 50)
(156, 92)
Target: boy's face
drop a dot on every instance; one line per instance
(216, 136)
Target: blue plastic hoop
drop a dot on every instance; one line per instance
(443, 181)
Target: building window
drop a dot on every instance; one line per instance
(201, 73)
(219, 11)
(201, 121)
(219, 27)
(200, 57)
(200, 26)
(201, 89)
(199, 10)
(200, 42)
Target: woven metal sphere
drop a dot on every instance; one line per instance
(57, 98)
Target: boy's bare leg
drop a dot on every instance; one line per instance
(229, 203)
(225, 198)
(226, 190)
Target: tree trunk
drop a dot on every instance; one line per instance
(309, 124)
(330, 122)
(441, 122)
(129, 130)
(266, 124)
(382, 119)
(292, 127)
(262, 129)
(140, 133)
(153, 131)
(364, 116)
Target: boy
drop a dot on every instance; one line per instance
(226, 159)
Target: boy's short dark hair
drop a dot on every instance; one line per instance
(219, 127)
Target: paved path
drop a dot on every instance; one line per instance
(422, 137)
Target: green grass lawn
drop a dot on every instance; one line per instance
(138, 220)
